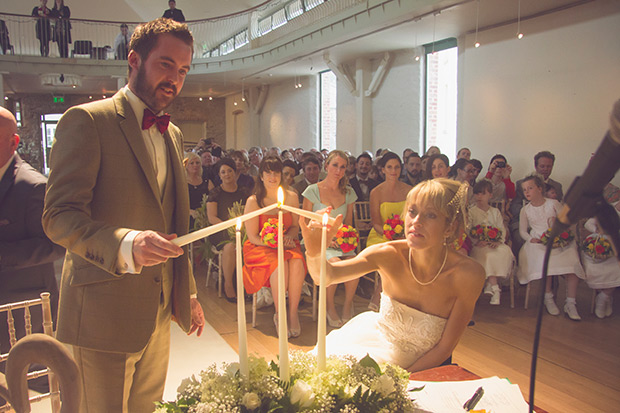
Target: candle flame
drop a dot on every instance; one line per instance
(238, 227)
(325, 219)
(280, 196)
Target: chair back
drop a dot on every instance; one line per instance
(361, 214)
(46, 310)
(82, 47)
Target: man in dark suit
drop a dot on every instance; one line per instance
(174, 13)
(361, 183)
(26, 254)
(311, 168)
(543, 163)
(117, 211)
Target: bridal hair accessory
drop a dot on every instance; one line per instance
(445, 258)
(459, 201)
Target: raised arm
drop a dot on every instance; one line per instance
(339, 271)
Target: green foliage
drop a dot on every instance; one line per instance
(201, 221)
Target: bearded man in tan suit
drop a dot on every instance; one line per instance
(116, 197)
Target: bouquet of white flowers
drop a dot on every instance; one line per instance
(346, 386)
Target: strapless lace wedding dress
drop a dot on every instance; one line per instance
(398, 334)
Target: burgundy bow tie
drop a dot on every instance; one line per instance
(149, 119)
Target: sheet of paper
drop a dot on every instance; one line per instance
(445, 397)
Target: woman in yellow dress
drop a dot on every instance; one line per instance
(386, 199)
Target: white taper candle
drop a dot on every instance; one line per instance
(241, 327)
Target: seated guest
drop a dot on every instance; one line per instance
(289, 172)
(362, 184)
(287, 155)
(424, 162)
(260, 260)
(351, 167)
(495, 256)
(602, 274)
(463, 171)
(121, 43)
(477, 168)
(243, 165)
(206, 158)
(220, 200)
(26, 254)
(438, 166)
(198, 187)
(433, 150)
(535, 218)
(430, 291)
(311, 168)
(413, 170)
(463, 153)
(338, 197)
(255, 154)
(386, 200)
(499, 174)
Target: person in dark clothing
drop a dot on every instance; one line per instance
(174, 13)
(62, 27)
(43, 28)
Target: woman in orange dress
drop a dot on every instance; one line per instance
(261, 261)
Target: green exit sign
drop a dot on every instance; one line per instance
(59, 99)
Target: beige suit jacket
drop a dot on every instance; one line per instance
(103, 184)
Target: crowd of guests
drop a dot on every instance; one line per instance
(518, 213)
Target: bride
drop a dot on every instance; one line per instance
(429, 290)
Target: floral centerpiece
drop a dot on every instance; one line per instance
(346, 385)
(597, 247)
(269, 233)
(347, 238)
(394, 227)
(560, 241)
(486, 233)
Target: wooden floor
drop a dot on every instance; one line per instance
(578, 365)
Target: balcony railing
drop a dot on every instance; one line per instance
(216, 37)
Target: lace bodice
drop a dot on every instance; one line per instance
(408, 330)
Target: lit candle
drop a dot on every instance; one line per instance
(321, 328)
(212, 229)
(307, 214)
(243, 340)
(282, 327)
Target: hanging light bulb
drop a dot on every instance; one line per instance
(200, 99)
(477, 43)
(235, 103)
(243, 90)
(519, 33)
(210, 97)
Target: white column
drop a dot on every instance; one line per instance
(364, 138)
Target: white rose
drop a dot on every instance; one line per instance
(251, 401)
(232, 369)
(185, 383)
(302, 394)
(384, 385)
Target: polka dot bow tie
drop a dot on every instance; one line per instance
(150, 118)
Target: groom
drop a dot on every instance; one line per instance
(116, 197)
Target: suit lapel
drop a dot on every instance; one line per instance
(8, 178)
(129, 125)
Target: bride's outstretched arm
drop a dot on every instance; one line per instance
(340, 271)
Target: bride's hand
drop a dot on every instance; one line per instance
(311, 233)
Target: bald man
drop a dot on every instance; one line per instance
(26, 254)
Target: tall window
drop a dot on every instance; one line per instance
(48, 129)
(441, 94)
(328, 110)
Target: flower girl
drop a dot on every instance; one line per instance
(601, 267)
(488, 235)
(534, 221)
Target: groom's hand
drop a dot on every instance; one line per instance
(198, 317)
(153, 247)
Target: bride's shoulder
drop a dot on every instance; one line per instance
(466, 268)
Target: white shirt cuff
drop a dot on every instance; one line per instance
(125, 255)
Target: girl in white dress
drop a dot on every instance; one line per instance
(535, 218)
(495, 256)
(602, 275)
(429, 290)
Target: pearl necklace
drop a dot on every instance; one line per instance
(445, 258)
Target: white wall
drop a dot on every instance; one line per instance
(552, 90)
